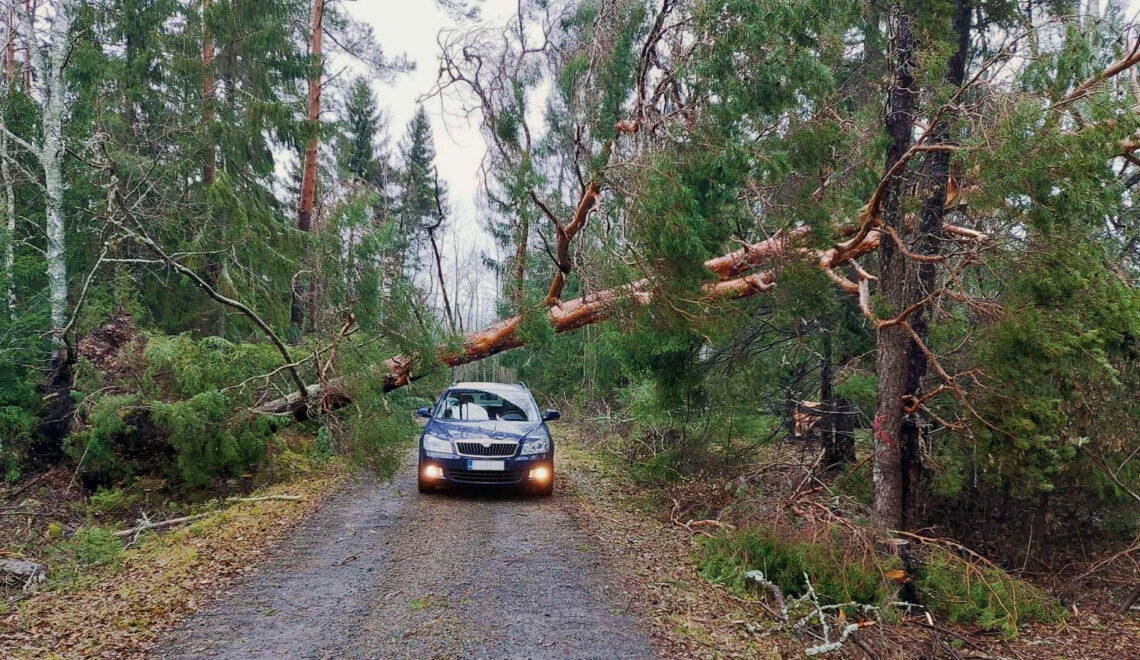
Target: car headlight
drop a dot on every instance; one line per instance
(438, 445)
(540, 446)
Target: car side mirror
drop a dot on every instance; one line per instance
(551, 415)
(423, 412)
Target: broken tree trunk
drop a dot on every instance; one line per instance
(400, 370)
(565, 317)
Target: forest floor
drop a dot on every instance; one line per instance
(645, 538)
(368, 568)
(111, 596)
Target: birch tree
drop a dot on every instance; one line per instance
(9, 258)
(47, 61)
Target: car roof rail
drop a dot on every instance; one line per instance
(521, 384)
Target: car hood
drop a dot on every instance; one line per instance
(496, 430)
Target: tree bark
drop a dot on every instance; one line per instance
(6, 174)
(893, 351)
(51, 156)
(10, 224)
(936, 177)
(520, 261)
(309, 169)
(563, 237)
(210, 166)
(10, 50)
(900, 364)
(30, 10)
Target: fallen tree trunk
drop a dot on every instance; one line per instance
(400, 370)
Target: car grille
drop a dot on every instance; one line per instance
(482, 477)
(499, 449)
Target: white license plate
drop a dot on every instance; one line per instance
(490, 466)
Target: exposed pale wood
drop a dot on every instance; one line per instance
(146, 524)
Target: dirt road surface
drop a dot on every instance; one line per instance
(383, 572)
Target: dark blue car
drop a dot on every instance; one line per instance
(487, 434)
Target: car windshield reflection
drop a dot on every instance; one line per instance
(471, 405)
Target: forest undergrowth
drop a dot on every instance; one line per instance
(792, 545)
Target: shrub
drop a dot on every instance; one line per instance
(113, 501)
(88, 547)
(837, 575)
(985, 595)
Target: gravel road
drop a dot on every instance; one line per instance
(383, 572)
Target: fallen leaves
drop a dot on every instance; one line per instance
(121, 610)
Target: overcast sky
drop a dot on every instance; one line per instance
(410, 27)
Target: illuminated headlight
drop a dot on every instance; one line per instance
(438, 445)
(540, 446)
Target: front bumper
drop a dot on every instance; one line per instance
(518, 470)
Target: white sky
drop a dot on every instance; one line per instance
(411, 27)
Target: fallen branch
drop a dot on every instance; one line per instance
(262, 498)
(144, 524)
(817, 613)
(121, 204)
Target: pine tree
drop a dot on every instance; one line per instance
(416, 208)
(357, 145)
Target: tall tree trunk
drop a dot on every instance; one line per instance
(442, 281)
(210, 167)
(936, 177)
(214, 263)
(51, 158)
(10, 224)
(6, 173)
(892, 358)
(519, 276)
(309, 170)
(10, 50)
(30, 9)
(901, 365)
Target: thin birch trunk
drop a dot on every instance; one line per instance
(6, 174)
(10, 217)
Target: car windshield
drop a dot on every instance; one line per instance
(474, 405)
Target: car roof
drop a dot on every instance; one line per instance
(480, 385)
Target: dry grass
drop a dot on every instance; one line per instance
(120, 608)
